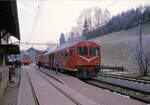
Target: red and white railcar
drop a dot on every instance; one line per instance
(83, 58)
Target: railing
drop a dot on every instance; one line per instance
(114, 68)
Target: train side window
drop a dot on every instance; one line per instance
(55, 55)
(66, 54)
(58, 55)
(61, 54)
(71, 51)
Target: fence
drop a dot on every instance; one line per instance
(114, 68)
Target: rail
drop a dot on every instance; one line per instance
(138, 94)
(33, 91)
(117, 68)
(49, 75)
(128, 78)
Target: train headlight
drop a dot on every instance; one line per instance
(80, 63)
(96, 63)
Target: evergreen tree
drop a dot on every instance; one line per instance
(85, 29)
(62, 39)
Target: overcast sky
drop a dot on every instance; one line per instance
(43, 21)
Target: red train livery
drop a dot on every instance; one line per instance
(83, 58)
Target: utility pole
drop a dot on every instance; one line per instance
(140, 48)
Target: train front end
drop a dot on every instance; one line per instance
(26, 60)
(88, 59)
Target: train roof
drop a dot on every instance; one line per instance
(69, 43)
(65, 45)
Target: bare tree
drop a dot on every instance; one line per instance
(76, 31)
(97, 17)
(86, 13)
(132, 52)
(106, 16)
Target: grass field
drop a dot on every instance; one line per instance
(113, 44)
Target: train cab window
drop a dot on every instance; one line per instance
(83, 51)
(71, 51)
(94, 51)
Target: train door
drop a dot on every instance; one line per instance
(66, 60)
(52, 61)
(49, 60)
(72, 58)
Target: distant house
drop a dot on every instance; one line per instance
(32, 52)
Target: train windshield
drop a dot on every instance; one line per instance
(83, 51)
(26, 58)
(94, 51)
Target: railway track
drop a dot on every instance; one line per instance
(32, 89)
(76, 102)
(137, 94)
(128, 78)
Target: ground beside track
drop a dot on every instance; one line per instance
(98, 95)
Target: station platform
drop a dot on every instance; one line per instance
(4, 78)
(48, 91)
(83, 93)
(10, 93)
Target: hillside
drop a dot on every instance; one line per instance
(113, 44)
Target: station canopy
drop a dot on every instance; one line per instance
(9, 24)
(10, 49)
(9, 18)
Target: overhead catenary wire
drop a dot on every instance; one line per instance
(37, 43)
(39, 10)
(107, 6)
